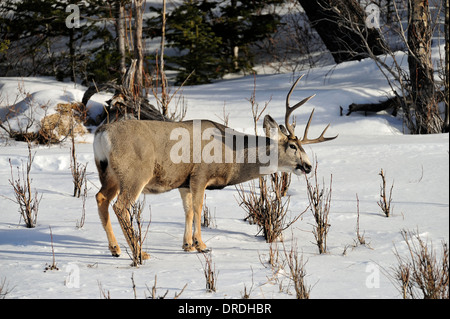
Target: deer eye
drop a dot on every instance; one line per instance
(293, 147)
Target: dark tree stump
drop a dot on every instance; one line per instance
(125, 104)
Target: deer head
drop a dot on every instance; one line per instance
(292, 157)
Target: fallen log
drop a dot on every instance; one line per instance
(392, 103)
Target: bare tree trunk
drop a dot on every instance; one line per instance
(423, 91)
(72, 54)
(447, 71)
(164, 95)
(120, 29)
(138, 48)
(337, 23)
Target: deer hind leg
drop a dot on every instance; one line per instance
(122, 207)
(104, 197)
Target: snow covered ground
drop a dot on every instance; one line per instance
(417, 165)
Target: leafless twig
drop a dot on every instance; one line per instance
(385, 200)
(53, 266)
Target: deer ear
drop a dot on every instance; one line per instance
(283, 130)
(270, 125)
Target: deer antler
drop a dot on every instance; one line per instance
(320, 139)
(289, 111)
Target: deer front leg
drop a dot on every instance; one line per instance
(193, 205)
(186, 196)
(197, 202)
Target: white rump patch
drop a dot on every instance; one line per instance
(102, 146)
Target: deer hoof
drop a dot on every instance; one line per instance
(201, 247)
(115, 251)
(188, 247)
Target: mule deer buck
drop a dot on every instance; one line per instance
(134, 157)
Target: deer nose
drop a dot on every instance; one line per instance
(307, 168)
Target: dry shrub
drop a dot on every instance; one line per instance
(27, 201)
(78, 170)
(208, 220)
(209, 270)
(104, 294)
(4, 290)
(297, 272)
(385, 200)
(360, 239)
(132, 224)
(154, 295)
(421, 274)
(320, 202)
(267, 209)
(289, 264)
(281, 181)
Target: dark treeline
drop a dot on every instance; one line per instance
(95, 40)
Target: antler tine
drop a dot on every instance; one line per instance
(305, 135)
(320, 139)
(292, 89)
(289, 109)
